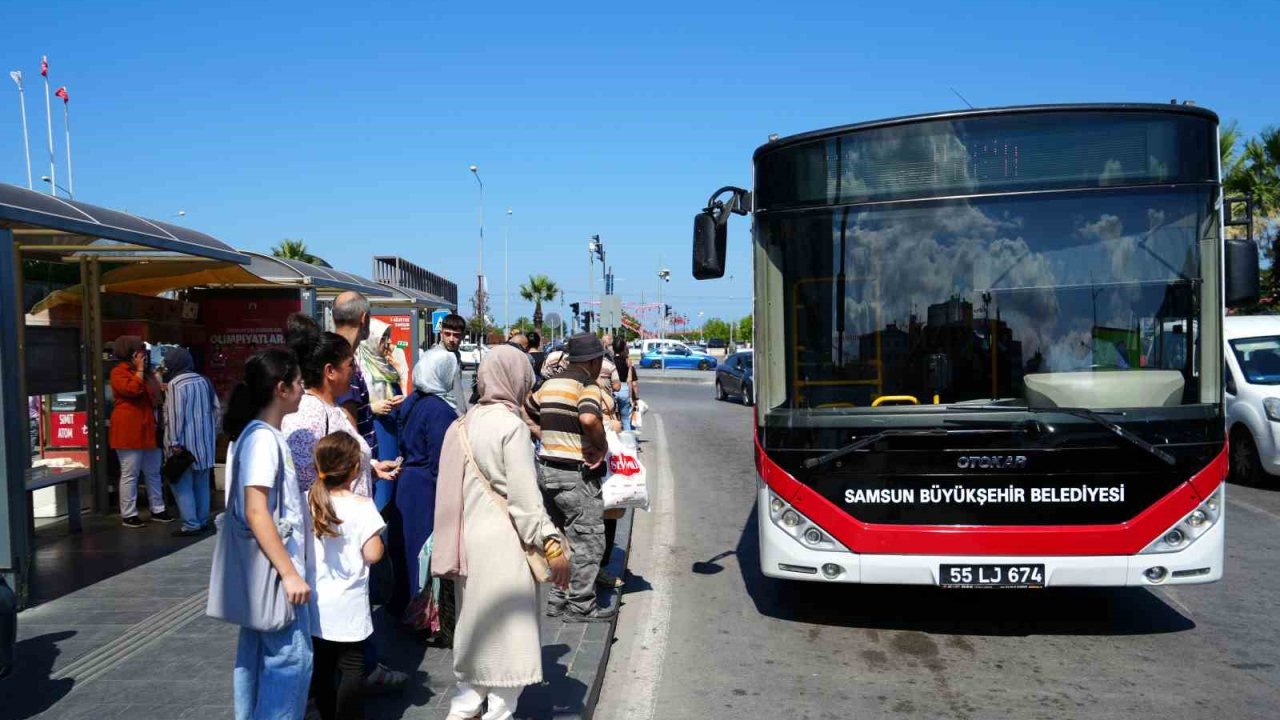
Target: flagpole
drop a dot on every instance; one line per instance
(22, 106)
(48, 116)
(66, 123)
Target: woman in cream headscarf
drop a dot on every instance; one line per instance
(424, 418)
(497, 650)
(385, 371)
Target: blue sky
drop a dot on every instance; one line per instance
(351, 126)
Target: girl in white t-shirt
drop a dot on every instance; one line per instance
(346, 543)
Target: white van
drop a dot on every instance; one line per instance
(1253, 396)
(653, 344)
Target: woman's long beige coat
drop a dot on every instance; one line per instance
(496, 643)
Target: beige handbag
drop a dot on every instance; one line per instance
(536, 557)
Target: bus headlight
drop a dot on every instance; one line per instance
(1272, 406)
(1188, 529)
(799, 527)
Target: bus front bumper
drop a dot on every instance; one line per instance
(784, 556)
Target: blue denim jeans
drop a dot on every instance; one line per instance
(192, 493)
(383, 491)
(273, 671)
(624, 406)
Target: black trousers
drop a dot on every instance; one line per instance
(336, 677)
(610, 532)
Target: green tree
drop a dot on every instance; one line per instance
(523, 324)
(744, 332)
(538, 290)
(296, 250)
(716, 329)
(1254, 170)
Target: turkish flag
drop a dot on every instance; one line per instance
(62, 93)
(44, 65)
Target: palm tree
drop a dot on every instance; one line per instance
(1262, 161)
(296, 250)
(539, 289)
(1231, 161)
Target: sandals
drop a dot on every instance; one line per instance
(384, 679)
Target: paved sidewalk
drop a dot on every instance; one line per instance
(138, 645)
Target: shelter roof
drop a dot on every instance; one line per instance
(296, 272)
(409, 295)
(37, 219)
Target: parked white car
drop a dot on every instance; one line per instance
(470, 355)
(1253, 396)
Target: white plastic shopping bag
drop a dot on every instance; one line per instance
(626, 485)
(637, 415)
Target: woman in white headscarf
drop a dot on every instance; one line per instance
(424, 418)
(385, 371)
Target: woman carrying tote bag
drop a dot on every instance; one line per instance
(488, 512)
(266, 518)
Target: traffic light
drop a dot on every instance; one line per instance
(587, 317)
(574, 307)
(666, 311)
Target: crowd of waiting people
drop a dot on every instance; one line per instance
(347, 475)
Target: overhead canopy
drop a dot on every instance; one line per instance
(409, 296)
(153, 278)
(296, 272)
(49, 222)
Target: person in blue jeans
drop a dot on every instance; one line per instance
(191, 419)
(628, 394)
(273, 669)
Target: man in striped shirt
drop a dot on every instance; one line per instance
(191, 424)
(566, 412)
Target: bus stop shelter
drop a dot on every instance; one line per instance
(229, 311)
(79, 238)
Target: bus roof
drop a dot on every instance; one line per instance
(801, 138)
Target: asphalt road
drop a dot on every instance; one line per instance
(704, 635)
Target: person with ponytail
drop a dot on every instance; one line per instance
(345, 543)
(326, 361)
(273, 669)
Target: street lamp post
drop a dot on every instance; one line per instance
(57, 187)
(480, 270)
(506, 282)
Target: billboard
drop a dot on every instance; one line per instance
(401, 337)
(237, 325)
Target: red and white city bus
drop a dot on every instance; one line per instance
(951, 317)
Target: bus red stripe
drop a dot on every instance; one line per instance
(1119, 539)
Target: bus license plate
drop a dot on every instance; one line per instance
(992, 576)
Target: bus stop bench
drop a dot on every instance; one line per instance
(43, 477)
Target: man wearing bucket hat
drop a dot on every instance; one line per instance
(569, 420)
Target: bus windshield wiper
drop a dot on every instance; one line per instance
(1087, 414)
(871, 439)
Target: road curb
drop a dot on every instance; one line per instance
(618, 568)
(686, 380)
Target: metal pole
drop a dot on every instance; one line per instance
(26, 139)
(66, 123)
(506, 280)
(48, 115)
(480, 268)
(15, 437)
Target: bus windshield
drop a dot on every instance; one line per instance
(1041, 299)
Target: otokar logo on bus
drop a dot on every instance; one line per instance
(992, 462)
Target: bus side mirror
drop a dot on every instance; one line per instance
(711, 227)
(709, 239)
(1243, 287)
